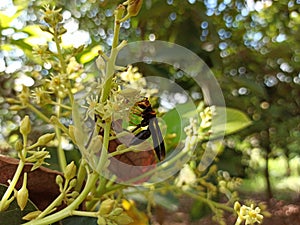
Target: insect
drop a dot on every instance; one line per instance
(143, 157)
(149, 120)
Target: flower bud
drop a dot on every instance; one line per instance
(44, 28)
(74, 194)
(22, 194)
(116, 212)
(59, 180)
(134, 6)
(101, 221)
(18, 145)
(31, 215)
(62, 31)
(25, 127)
(106, 206)
(237, 206)
(15, 108)
(73, 183)
(12, 101)
(123, 219)
(44, 139)
(70, 171)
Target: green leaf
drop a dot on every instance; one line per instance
(13, 215)
(236, 120)
(178, 118)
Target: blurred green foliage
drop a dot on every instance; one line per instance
(252, 47)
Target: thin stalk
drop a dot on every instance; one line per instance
(39, 113)
(110, 67)
(81, 174)
(17, 175)
(209, 202)
(91, 182)
(83, 213)
(50, 208)
(59, 52)
(60, 152)
(12, 185)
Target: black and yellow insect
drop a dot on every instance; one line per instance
(149, 121)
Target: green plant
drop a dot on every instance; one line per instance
(102, 198)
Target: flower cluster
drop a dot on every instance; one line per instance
(248, 214)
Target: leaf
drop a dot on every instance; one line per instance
(41, 182)
(236, 120)
(178, 118)
(13, 215)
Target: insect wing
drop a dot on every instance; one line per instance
(157, 138)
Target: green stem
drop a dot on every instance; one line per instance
(39, 113)
(83, 213)
(60, 152)
(209, 202)
(81, 174)
(12, 185)
(90, 183)
(50, 208)
(62, 105)
(110, 67)
(99, 192)
(104, 152)
(59, 52)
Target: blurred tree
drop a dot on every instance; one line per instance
(252, 46)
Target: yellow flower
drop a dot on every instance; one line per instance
(248, 214)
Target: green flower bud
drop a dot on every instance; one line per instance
(73, 183)
(62, 31)
(59, 180)
(123, 219)
(16, 108)
(31, 215)
(116, 212)
(237, 206)
(70, 171)
(101, 221)
(44, 28)
(47, 20)
(7, 203)
(74, 194)
(12, 101)
(22, 194)
(106, 206)
(25, 127)
(18, 145)
(134, 6)
(44, 139)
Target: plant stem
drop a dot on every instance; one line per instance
(91, 182)
(83, 213)
(55, 203)
(60, 152)
(110, 67)
(81, 174)
(39, 113)
(12, 185)
(211, 203)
